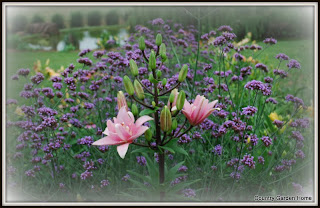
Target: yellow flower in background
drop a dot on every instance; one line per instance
(244, 41)
(211, 40)
(244, 59)
(61, 69)
(78, 101)
(51, 72)
(47, 62)
(248, 140)
(37, 66)
(18, 111)
(274, 116)
(251, 60)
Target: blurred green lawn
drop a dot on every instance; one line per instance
(301, 50)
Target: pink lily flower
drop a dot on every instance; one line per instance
(123, 131)
(199, 110)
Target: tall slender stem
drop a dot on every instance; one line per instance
(198, 51)
(158, 136)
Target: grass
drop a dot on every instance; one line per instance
(16, 60)
(301, 50)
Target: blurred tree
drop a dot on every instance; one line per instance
(112, 18)
(58, 20)
(37, 19)
(94, 18)
(76, 19)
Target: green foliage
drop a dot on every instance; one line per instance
(94, 18)
(76, 19)
(146, 112)
(69, 47)
(16, 42)
(58, 20)
(104, 37)
(112, 18)
(149, 187)
(37, 19)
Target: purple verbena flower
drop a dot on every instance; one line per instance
(23, 72)
(293, 64)
(282, 56)
(248, 160)
(270, 41)
(183, 168)
(225, 28)
(189, 193)
(266, 140)
(249, 110)
(217, 150)
(104, 183)
(141, 160)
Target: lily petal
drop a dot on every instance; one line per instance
(122, 150)
(106, 141)
(140, 131)
(142, 120)
(122, 133)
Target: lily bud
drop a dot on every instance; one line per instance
(128, 85)
(164, 81)
(134, 109)
(142, 44)
(158, 39)
(148, 135)
(164, 57)
(121, 100)
(138, 89)
(152, 79)
(183, 73)
(134, 68)
(162, 50)
(152, 60)
(180, 100)
(174, 124)
(159, 73)
(129, 103)
(173, 99)
(165, 119)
